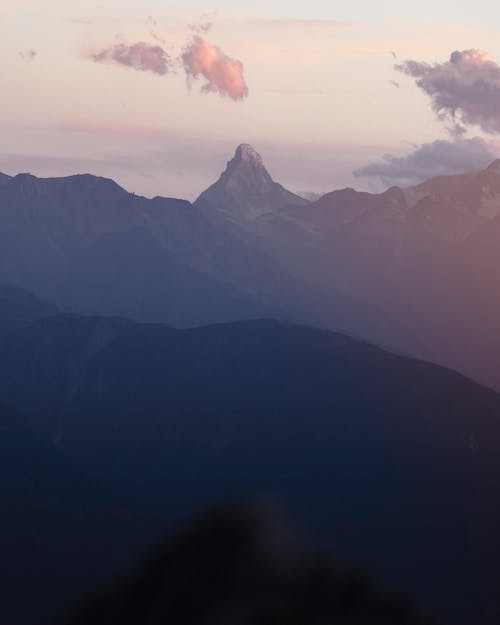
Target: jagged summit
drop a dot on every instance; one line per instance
(246, 153)
(246, 171)
(246, 190)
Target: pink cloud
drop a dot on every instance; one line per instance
(223, 74)
(139, 56)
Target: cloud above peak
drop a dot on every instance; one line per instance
(223, 74)
(464, 90)
(140, 56)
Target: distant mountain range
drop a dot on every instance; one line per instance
(92, 248)
(88, 245)
(426, 256)
(411, 269)
(393, 463)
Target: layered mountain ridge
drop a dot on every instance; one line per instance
(393, 462)
(400, 268)
(418, 254)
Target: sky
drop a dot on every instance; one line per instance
(158, 94)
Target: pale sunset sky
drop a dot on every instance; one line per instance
(101, 86)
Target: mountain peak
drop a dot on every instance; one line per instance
(247, 154)
(246, 190)
(247, 168)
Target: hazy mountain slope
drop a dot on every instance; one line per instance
(393, 462)
(52, 231)
(131, 274)
(424, 257)
(92, 248)
(54, 528)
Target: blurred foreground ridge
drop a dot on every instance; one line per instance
(242, 565)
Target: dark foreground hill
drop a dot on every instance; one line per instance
(243, 565)
(392, 462)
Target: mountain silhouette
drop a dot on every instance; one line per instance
(242, 564)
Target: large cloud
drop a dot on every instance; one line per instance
(429, 160)
(223, 75)
(465, 89)
(140, 56)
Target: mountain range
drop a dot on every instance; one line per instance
(425, 256)
(157, 356)
(412, 269)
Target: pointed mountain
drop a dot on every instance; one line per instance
(245, 190)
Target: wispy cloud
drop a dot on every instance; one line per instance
(464, 90)
(205, 23)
